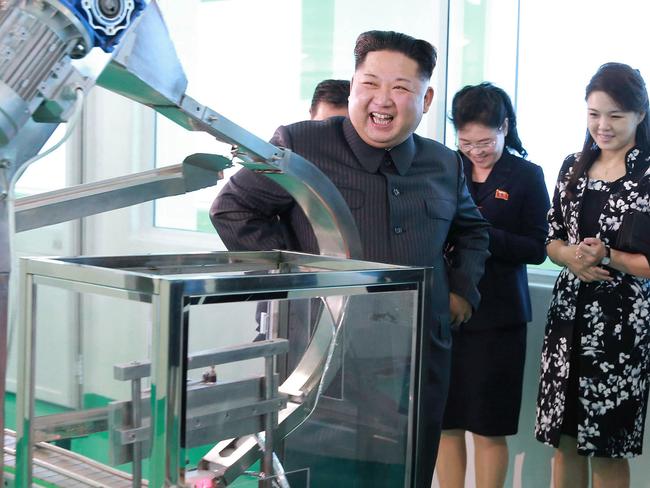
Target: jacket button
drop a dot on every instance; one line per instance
(396, 191)
(397, 229)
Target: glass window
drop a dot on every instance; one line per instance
(257, 63)
(482, 47)
(48, 173)
(561, 45)
(543, 54)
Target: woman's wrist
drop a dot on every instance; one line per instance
(560, 252)
(566, 254)
(607, 258)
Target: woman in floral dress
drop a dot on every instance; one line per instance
(595, 361)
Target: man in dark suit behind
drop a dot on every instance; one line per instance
(330, 99)
(407, 195)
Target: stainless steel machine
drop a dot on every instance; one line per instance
(51, 53)
(349, 405)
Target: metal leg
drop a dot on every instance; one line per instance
(25, 394)
(136, 420)
(5, 269)
(168, 388)
(269, 425)
(4, 353)
(271, 419)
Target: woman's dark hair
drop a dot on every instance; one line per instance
(420, 51)
(490, 106)
(626, 87)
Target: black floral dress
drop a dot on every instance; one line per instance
(614, 323)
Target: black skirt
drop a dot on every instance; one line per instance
(487, 374)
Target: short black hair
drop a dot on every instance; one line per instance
(420, 51)
(334, 92)
(487, 105)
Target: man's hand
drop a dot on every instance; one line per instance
(460, 309)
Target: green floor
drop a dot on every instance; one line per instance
(96, 446)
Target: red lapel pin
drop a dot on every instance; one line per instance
(501, 195)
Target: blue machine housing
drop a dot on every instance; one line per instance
(105, 35)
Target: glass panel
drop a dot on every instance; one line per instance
(357, 431)
(358, 434)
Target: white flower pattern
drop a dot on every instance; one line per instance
(614, 350)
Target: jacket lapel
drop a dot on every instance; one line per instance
(496, 181)
(574, 208)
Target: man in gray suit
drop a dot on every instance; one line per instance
(407, 195)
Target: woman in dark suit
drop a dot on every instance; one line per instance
(488, 352)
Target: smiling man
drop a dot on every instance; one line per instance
(389, 96)
(406, 193)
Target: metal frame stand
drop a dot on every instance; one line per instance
(171, 284)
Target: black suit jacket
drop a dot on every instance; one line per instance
(407, 203)
(515, 201)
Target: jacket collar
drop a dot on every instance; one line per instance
(636, 162)
(498, 177)
(371, 157)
